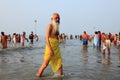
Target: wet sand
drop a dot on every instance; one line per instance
(78, 63)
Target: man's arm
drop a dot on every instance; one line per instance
(48, 31)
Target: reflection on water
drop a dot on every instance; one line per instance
(78, 63)
(51, 78)
(84, 52)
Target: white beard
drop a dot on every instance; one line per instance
(55, 26)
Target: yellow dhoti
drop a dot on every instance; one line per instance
(56, 60)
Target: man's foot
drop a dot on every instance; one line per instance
(61, 75)
(38, 75)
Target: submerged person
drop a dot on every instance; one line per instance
(23, 39)
(3, 40)
(106, 45)
(14, 39)
(119, 40)
(9, 38)
(99, 39)
(52, 54)
(31, 37)
(96, 39)
(85, 39)
(36, 38)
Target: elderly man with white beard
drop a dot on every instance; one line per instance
(52, 53)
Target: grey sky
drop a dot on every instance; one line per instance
(76, 15)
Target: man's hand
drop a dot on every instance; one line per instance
(51, 53)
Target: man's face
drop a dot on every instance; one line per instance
(56, 18)
(56, 21)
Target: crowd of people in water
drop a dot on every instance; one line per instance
(17, 38)
(97, 38)
(52, 54)
(100, 40)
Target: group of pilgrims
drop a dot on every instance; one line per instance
(17, 38)
(97, 37)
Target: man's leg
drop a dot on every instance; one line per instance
(42, 68)
(60, 71)
(104, 54)
(108, 53)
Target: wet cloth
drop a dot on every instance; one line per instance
(107, 44)
(85, 42)
(96, 40)
(85, 39)
(56, 60)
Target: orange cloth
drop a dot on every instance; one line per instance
(85, 36)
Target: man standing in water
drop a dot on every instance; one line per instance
(52, 54)
(22, 39)
(31, 37)
(106, 45)
(85, 39)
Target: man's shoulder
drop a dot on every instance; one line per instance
(49, 25)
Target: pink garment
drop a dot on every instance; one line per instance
(22, 39)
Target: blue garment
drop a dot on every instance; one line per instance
(85, 42)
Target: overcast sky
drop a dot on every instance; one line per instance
(76, 15)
